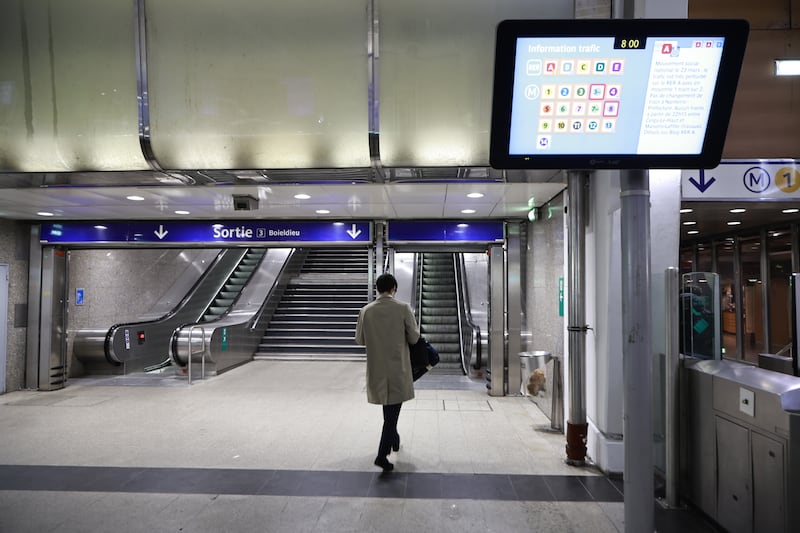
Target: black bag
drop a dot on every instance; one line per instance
(422, 356)
(419, 353)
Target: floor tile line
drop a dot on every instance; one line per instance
(176, 480)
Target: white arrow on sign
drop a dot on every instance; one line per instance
(161, 233)
(354, 232)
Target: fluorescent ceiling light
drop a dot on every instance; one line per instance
(738, 210)
(734, 223)
(101, 227)
(44, 214)
(790, 211)
(690, 223)
(686, 210)
(693, 232)
(181, 212)
(787, 67)
(322, 212)
(468, 211)
(134, 198)
(302, 196)
(475, 195)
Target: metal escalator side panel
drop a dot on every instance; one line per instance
(230, 340)
(150, 340)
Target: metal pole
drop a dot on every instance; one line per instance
(766, 337)
(637, 351)
(577, 427)
(672, 378)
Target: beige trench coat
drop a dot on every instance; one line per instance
(386, 327)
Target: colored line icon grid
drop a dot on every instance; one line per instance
(583, 107)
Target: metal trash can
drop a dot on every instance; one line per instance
(533, 372)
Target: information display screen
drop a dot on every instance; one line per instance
(615, 93)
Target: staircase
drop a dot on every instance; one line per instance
(439, 311)
(236, 282)
(316, 317)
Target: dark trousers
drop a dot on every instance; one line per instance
(389, 434)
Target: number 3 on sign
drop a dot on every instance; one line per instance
(787, 179)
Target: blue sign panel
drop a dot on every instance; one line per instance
(444, 231)
(206, 232)
(79, 296)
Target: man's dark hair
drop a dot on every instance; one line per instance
(385, 283)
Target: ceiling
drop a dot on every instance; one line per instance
(712, 218)
(102, 196)
(415, 194)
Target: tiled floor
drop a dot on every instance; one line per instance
(288, 446)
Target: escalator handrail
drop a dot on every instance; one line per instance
(457, 280)
(252, 322)
(107, 345)
(418, 273)
(464, 311)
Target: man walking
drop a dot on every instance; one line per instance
(386, 327)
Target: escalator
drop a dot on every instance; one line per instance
(233, 287)
(316, 317)
(438, 309)
(145, 344)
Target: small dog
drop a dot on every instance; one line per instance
(537, 382)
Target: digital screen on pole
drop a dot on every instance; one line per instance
(643, 93)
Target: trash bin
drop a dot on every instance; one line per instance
(533, 372)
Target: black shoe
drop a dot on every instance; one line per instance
(384, 463)
(396, 444)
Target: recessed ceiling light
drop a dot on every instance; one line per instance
(738, 210)
(475, 195)
(135, 198)
(689, 223)
(45, 214)
(338, 223)
(468, 211)
(100, 226)
(787, 67)
(692, 232)
(323, 212)
(462, 225)
(302, 196)
(790, 211)
(181, 212)
(734, 223)
(686, 210)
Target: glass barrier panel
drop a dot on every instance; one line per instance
(752, 299)
(779, 253)
(68, 86)
(243, 84)
(700, 315)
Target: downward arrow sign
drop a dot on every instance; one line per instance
(354, 232)
(161, 233)
(703, 185)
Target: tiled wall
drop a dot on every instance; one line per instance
(545, 265)
(14, 250)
